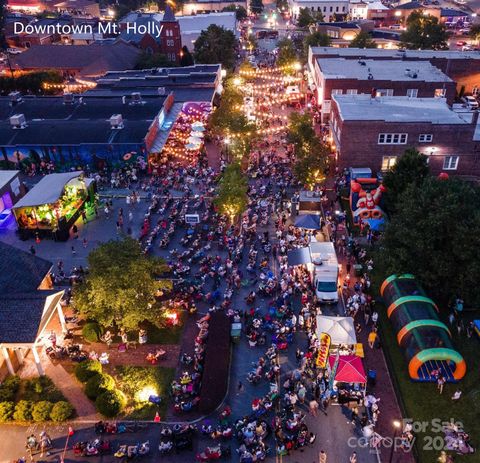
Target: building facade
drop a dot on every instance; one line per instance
(375, 132)
(330, 9)
(337, 76)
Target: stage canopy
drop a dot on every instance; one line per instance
(340, 329)
(350, 369)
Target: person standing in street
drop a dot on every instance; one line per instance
(353, 458)
(322, 458)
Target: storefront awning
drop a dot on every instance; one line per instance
(350, 369)
(299, 256)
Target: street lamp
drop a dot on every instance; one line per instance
(396, 427)
(297, 66)
(237, 81)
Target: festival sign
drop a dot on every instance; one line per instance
(323, 350)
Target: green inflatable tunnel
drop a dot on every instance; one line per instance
(425, 339)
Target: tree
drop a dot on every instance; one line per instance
(306, 18)
(232, 196)
(121, 285)
(153, 60)
(362, 40)
(287, 53)
(216, 45)
(282, 5)
(3, 41)
(411, 168)
(186, 58)
(315, 39)
(424, 32)
(240, 12)
(311, 155)
(434, 235)
(474, 32)
(256, 6)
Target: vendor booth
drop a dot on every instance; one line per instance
(341, 331)
(53, 205)
(348, 378)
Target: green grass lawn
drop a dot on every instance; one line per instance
(422, 402)
(133, 380)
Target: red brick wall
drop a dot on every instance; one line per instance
(358, 145)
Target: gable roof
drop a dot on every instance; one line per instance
(168, 16)
(90, 60)
(21, 315)
(20, 271)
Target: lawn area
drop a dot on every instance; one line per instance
(138, 383)
(422, 402)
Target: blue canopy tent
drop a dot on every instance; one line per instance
(308, 221)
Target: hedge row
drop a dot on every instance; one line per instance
(216, 363)
(25, 410)
(101, 388)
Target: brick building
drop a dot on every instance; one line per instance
(337, 76)
(461, 66)
(374, 132)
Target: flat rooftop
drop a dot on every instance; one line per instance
(379, 53)
(398, 109)
(396, 70)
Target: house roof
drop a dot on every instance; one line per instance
(451, 12)
(168, 15)
(90, 60)
(410, 6)
(20, 271)
(21, 315)
(341, 25)
(6, 176)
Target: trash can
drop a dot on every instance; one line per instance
(358, 269)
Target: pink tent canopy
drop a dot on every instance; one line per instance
(350, 369)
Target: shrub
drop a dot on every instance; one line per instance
(92, 331)
(9, 388)
(61, 411)
(41, 411)
(23, 411)
(111, 403)
(86, 369)
(98, 384)
(6, 411)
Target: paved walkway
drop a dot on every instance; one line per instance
(72, 391)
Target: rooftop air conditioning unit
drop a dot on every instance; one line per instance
(15, 97)
(116, 121)
(68, 98)
(136, 97)
(161, 91)
(17, 121)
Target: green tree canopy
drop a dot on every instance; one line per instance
(424, 32)
(32, 82)
(153, 60)
(216, 45)
(474, 32)
(411, 168)
(240, 11)
(186, 58)
(306, 18)
(363, 40)
(300, 129)
(120, 285)
(232, 196)
(434, 235)
(287, 53)
(256, 6)
(315, 39)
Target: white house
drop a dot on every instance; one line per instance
(328, 8)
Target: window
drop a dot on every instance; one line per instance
(169, 43)
(337, 91)
(324, 9)
(439, 93)
(352, 91)
(425, 137)
(384, 92)
(331, 9)
(412, 92)
(336, 9)
(450, 163)
(343, 9)
(388, 162)
(392, 138)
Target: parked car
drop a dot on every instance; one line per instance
(470, 102)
